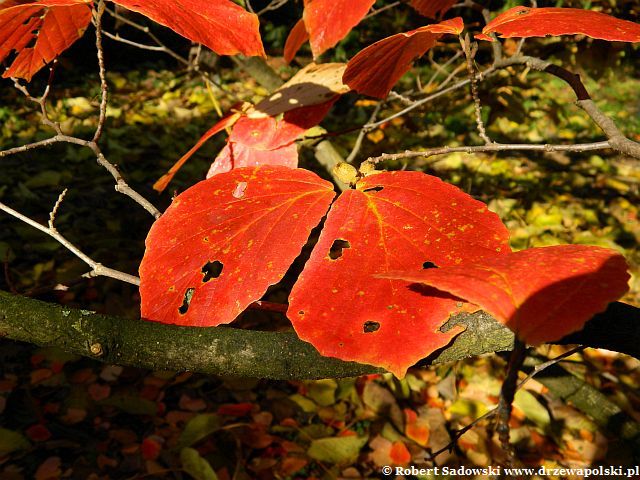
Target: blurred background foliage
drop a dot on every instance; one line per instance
(158, 109)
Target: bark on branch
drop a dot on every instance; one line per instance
(248, 353)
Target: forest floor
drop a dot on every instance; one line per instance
(63, 416)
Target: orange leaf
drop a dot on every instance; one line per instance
(329, 21)
(297, 36)
(399, 453)
(51, 25)
(417, 427)
(376, 69)
(542, 294)
(216, 249)
(390, 220)
(221, 25)
(525, 22)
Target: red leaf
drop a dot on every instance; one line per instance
(264, 141)
(374, 70)
(211, 254)
(432, 8)
(221, 25)
(539, 22)
(390, 220)
(238, 155)
(297, 36)
(329, 21)
(542, 294)
(235, 409)
(225, 122)
(52, 26)
(151, 447)
(399, 453)
(38, 433)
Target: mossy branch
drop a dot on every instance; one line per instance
(248, 353)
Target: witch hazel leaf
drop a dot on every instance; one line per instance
(221, 25)
(542, 294)
(225, 240)
(329, 21)
(525, 22)
(432, 8)
(51, 26)
(390, 221)
(376, 69)
(297, 36)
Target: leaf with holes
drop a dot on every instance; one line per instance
(525, 22)
(223, 241)
(312, 85)
(432, 8)
(542, 294)
(390, 221)
(376, 69)
(329, 21)
(39, 32)
(221, 25)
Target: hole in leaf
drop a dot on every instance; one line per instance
(301, 312)
(338, 245)
(426, 265)
(188, 295)
(211, 270)
(373, 189)
(239, 190)
(370, 327)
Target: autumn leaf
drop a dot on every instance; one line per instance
(391, 221)
(329, 21)
(259, 140)
(221, 25)
(315, 84)
(376, 69)
(542, 294)
(223, 241)
(39, 32)
(525, 22)
(296, 38)
(432, 8)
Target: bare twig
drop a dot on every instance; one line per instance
(97, 269)
(104, 88)
(469, 54)
(494, 147)
(381, 9)
(54, 210)
(358, 144)
(273, 5)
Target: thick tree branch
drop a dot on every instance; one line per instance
(247, 353)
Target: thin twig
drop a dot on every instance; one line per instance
(54, 210)
(104, 88)
(358, 144)
(494, 147)
(469, 54)
(380, 10)
(97, 269)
